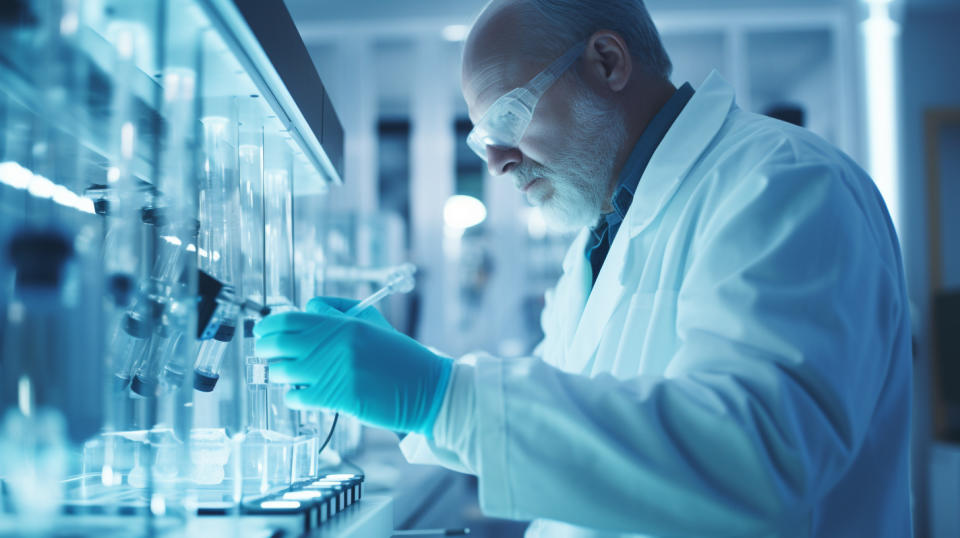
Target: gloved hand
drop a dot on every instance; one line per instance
(357, 365)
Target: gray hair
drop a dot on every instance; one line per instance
(564, 22)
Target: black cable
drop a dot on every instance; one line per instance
(330, 435)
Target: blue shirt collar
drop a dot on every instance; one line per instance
(608, 225)
(643, 151)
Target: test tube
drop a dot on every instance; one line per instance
(156, 311)
(257, 378)
(127, 348)
(280, 418)
(219, 200)
(125, 269)
(279, 233)
(163, 345)
(401, 281)
(171, 225)
(251, 224)
(206, 372)
(219, 331)
(29, 373)
(220, 311)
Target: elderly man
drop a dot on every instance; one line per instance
(727, 351)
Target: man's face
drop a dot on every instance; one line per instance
(564, 162)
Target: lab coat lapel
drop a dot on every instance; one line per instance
(682, 146)
(601, 304)
(574, 288)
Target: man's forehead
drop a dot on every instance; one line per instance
(497, 54)
(483, 83)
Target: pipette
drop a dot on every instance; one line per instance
(401, 281)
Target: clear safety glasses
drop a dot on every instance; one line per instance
(507, 119)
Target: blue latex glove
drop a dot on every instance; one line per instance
(356, 365)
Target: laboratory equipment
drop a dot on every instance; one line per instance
(39, 260)
(162, 304)
(314, 354)
(308, 443)
(219, 312)
(152, 154)
(359, 253)
(400, 281)
(33, 433)
(219, 201)
(353, 274)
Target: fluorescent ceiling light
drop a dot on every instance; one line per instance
(880, 33)
(456, 32)
(462, 212)
(18, 177)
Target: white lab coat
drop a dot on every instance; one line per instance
(742, 366)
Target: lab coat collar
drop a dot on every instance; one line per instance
(682, 146)
(691, 133)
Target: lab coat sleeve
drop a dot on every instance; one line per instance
(417, 449)
(785, 318)
(456, 408)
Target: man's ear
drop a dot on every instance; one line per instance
(608, 60)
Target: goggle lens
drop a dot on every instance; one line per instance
(502, 126)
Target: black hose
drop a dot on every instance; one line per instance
(330, 435)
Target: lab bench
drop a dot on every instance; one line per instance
(335, 511)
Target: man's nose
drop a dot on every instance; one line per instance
(501, 160)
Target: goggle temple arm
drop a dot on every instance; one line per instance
(548, 76)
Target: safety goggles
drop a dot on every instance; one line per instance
(505, 122)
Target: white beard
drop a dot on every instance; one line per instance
(578, 183)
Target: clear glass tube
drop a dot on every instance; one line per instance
(222, 329)
(278, 222)
(164, 345)
(219, 199)
(125, 268)
(160, 310)
(251, 225)
(206, 372)
(266, 447)
(219, 205)
(32, 452)
(127, 349)
(171, 416)
(177, 227)
(257, 377)
(31, 368)
(281, 418)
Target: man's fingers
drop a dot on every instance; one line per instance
(305, 398)
(329, 305)
(284, 322)
(277, 345)
(290, 372)
(295, 399)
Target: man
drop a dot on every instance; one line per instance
(727, 351)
